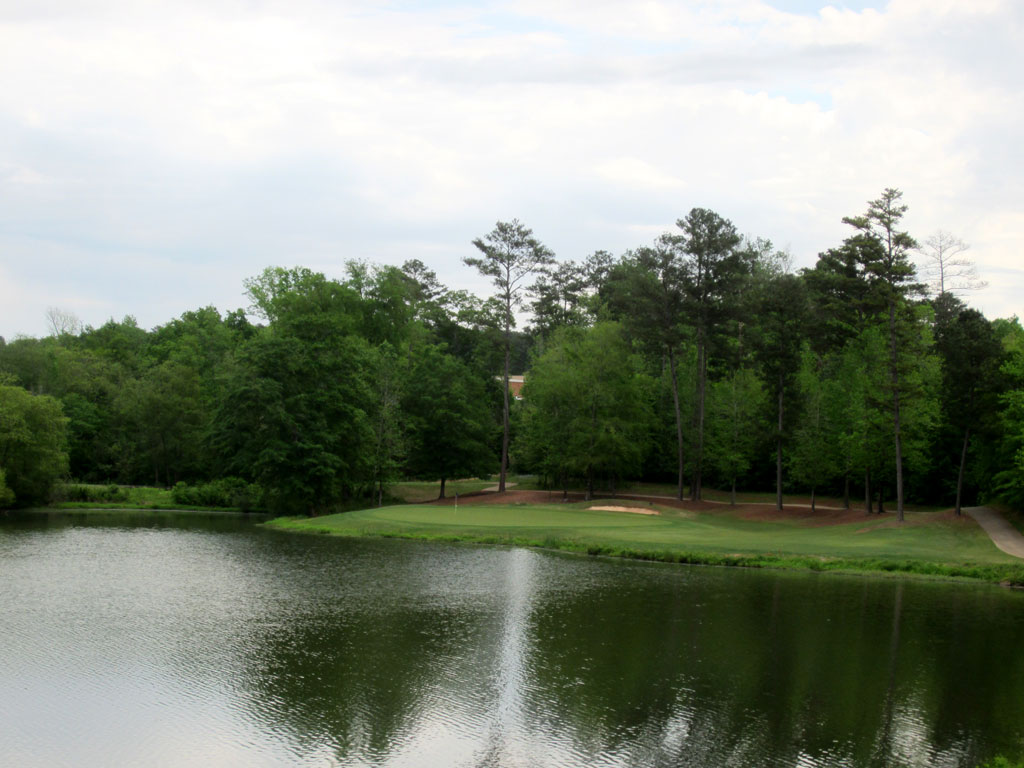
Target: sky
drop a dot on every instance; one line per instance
(155, 154)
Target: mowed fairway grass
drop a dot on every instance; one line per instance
(929, 543)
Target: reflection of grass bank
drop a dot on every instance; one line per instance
(930, 544)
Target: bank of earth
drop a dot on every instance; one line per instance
(929, 544)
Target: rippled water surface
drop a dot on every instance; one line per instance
(200, 640)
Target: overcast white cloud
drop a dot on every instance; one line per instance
(153, 155)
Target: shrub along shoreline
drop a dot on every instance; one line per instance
(111, 498)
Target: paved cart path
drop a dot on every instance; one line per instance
(1003, 535)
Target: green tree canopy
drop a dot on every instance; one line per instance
(33, 445)
(297, 399)
(450, 419)
(588, 405)
(647, 291)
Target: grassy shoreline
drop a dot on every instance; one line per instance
(930, 547)
(915, 568)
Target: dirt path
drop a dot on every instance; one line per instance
(726, 503)
(667, 500)
(825, 515)
(494, 488)
(1003, 535)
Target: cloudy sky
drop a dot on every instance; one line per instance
(155, 154)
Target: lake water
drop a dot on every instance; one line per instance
(202, 640)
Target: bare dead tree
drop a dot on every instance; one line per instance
(61, 322)
(946, 269)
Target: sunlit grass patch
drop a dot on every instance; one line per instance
(929, 545)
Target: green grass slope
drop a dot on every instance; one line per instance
(928, 544)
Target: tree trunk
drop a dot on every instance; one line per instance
(504, 412)
(679, 420)
(163, 460)
(590, 451)
(895, 375)
(885, 737)
(812, 499)
(881, 505)
(778, 454)
(698, 460)
(735, 423)
(867, 492)
(441, 495)
(846, 491)
(380, 493)
(960, 475)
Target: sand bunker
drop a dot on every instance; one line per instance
(635, 510)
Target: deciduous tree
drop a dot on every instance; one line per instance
(450, 423)
(814, 458)
(33, 444)
(735, 406)
(946, 269)
(588, 405)
(296, 405)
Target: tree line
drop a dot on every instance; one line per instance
(700, 358)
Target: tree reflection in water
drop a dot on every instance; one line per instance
(323, 651)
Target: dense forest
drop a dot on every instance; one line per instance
(699, 359)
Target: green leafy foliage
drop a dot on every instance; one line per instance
(647, 292)
(450, 419)
(586, 407)
(1008, 481)
(77, 492)
(33, 445)
(388, 445)
(355, 383)
(163, 412)
(294, 417)
(6, 494)
(231, 492)
(736, 403)
(815, 458)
